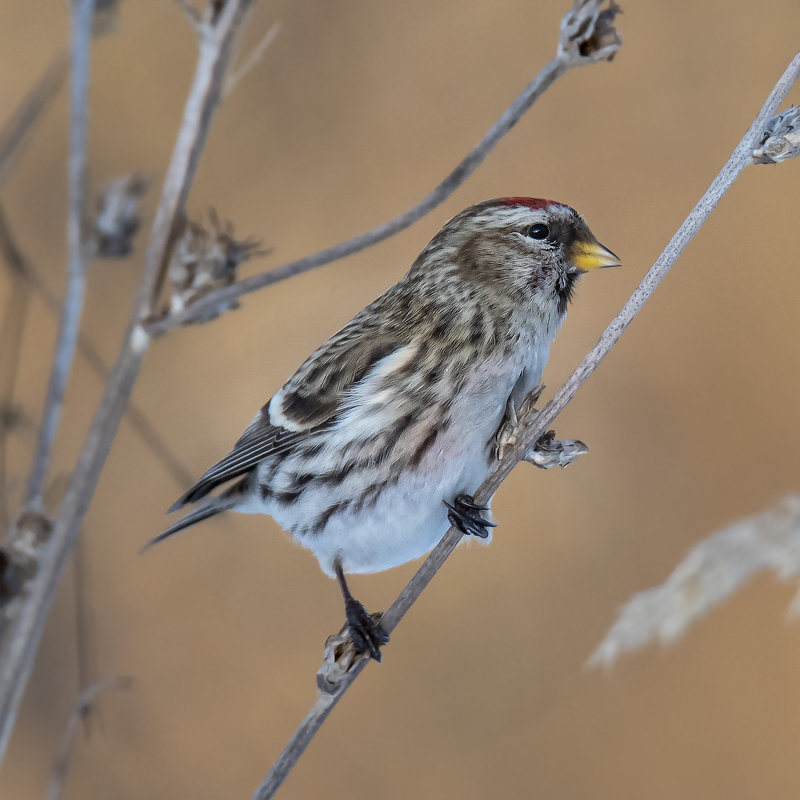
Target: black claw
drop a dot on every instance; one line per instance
(465, 515)
(365, 631)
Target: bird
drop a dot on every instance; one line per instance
(377, 443)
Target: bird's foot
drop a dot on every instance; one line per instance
(465, 515)
(365, 629)
(506, 436)
(549, 452)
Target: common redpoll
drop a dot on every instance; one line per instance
(377, 442)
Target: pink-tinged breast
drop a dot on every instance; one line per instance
(529, 202)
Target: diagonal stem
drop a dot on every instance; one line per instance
(84, 703)
(534, 424)
(221, 298)
(72, 308)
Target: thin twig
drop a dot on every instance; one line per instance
(86, 699)
(83, 619)
(11, 334)
(23, 631)
(192, 14)
(536, 423)
(72, 308)
(251, 60)
(15, 132)
(221, 299)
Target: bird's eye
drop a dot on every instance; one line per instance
(538, 231)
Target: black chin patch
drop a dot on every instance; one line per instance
(565, 287)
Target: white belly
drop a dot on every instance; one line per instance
(407, 517)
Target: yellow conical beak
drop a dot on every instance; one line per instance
(591, 255)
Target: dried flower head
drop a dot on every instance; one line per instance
(588, 33)
(204, 259)
(19, 557)
(780, 139)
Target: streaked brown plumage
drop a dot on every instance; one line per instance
(382, 435)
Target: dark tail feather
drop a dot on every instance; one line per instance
(212, 507)
(197, 492)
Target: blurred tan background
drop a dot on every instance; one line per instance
(355, 112)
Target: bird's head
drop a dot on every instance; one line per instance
(530, 250)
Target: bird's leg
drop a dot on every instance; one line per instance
(365, 630)
(506, 436)
(465, 515)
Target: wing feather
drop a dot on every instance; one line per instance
(309, 401)
(313, 395)
(320, 390)
(260, 440)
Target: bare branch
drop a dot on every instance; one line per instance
(578, 46)
(533, 425)
(82, 706)
(334, 682)
(15, 132)
(84, 629)
(72, 307)
(711, 572)
(23, 632)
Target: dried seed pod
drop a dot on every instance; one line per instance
(204, 259)
(780, 139)
(117, 219)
